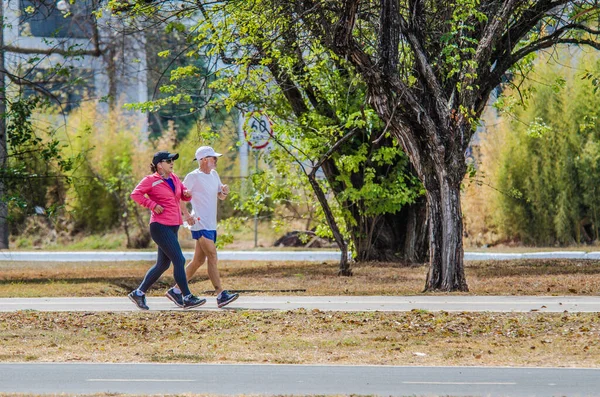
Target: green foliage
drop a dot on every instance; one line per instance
(80, 174)
(460, 45)
(102, 180)
(116, 158)
(550, 161)
(366, 179)
(178, 79)
(34, 174)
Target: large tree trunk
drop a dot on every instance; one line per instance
(446, 272)
(440, 165)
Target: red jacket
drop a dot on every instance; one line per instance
(153, 190)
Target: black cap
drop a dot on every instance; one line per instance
(164, 155)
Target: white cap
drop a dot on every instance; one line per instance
(206, 151)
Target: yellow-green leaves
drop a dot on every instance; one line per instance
(538, 128)
(184, 72)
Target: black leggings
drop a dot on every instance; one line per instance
(168, 251)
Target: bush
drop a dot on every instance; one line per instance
(548, 165)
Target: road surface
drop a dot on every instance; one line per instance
(255, 379)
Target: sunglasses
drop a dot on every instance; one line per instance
(168, 161)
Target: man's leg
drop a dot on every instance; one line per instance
(194, 265)
(197, 260)
(208, 248)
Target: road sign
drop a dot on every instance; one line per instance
(258, 130)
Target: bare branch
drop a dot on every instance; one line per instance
(49, 51)
(345, 26)
(332, 150)
(491, 33)
(555, 38)
(389, 36)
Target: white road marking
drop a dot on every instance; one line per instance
(140, 380)
(460, 383)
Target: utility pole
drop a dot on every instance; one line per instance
(3, 141)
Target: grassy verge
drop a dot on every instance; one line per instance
(300, 337)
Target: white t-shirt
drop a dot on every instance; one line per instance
(204, 189)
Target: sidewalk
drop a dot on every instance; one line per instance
(306, 256)
(451, 303)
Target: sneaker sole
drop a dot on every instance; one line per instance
(220, 305)
(203, 301)
(173, 300)
(136, 305)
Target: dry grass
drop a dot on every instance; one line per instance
(519, 277)
(298, 337)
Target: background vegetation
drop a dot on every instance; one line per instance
(539, 161)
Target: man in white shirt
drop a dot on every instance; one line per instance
(206, 187)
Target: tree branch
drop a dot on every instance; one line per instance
(555, 38)
(332, 150)
(491, 32)
(50, 51)
(522, 26)
(389, 36)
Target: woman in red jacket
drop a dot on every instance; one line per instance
(161, 193)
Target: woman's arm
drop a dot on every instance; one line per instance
(186, 194)
(141, 190)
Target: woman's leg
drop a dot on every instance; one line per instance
(159, 234)
(166, 238)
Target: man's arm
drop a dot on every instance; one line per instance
(186, 213)
(223, 192)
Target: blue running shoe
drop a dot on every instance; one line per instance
(140, 301)
(191, 301)
(174, 297)
(226, 298)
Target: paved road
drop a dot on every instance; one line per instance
(311, 256)
(554, 304)
(249, 379)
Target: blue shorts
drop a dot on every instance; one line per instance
(209, 234)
